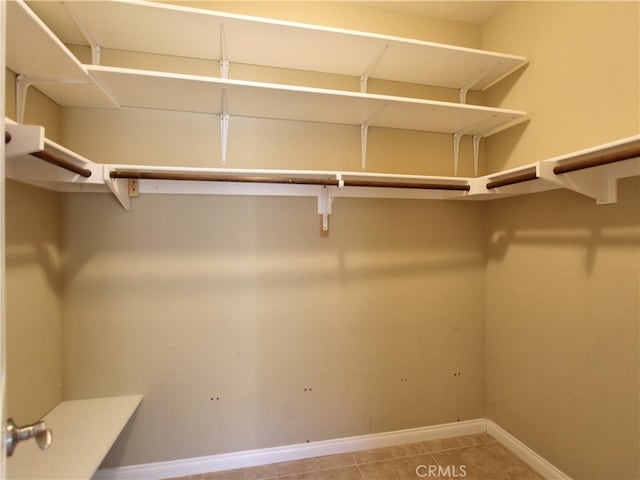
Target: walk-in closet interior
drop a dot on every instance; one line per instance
(243, 233)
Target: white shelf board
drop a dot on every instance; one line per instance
(155, 28)
(34, 51)
(166, 91)
(83, 433)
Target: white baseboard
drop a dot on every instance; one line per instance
(535, 461)
(252, 458)
(264, 456)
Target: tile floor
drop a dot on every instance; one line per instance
(471, 457)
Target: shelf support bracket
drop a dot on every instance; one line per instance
(96, 50)
(119, 187)
(22, 85)
(476, 152)
(23, 82)
(463, 94)
(364, 77)
(224, 61)
(364, 133)
(325, 201)
(456, 151)
(465, 89)
(224, 127)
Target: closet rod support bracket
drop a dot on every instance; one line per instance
(120, 188)
(325, 202)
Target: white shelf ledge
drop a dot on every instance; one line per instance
(83, 433)
(167, 91)
(154, 28)
(594, 173)
(40, 58)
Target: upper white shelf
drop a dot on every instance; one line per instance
(35, 52)
(83, 433)
(197, 33)
(147, 89)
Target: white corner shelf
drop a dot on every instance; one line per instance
(593, 172)
(83, 433)
(39, 58)
(206, 34)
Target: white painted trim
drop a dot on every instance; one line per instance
(534, 460)
(250, 458)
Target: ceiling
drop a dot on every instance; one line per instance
(476, 12)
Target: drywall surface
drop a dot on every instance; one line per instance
(581, 87)
(33, 303)
(563, 310)
(33, 280)
(563, 274)
(243, 328)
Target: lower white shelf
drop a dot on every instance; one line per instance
(83, 433)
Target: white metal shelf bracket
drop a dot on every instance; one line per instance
(364, 133)
(224, 61)
(476, 152)
(364, 77)
(96, 50)
(23, 82)
(364, 136)
(465, 89)
(22, 85)
(457, 136)
(224, 127)
(224, 114)
(119, 187)
(456, 151)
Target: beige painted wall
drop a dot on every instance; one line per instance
(33, 281)
(563, 310)
(563, 275)
(186, 298)
(33, 302)
(580, 88)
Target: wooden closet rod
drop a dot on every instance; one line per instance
(214, 177)
(523, 177)
(417, 185)
(62, 163)
(7, 137)
(596, 161)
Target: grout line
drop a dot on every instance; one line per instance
(316, 470)
(358, 464)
